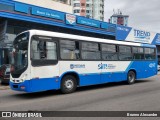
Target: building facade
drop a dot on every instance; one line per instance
(64, 1)
(119, 18)
(93, 9)
(60, 5)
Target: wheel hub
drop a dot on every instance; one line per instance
(131, 78)
(69, 84)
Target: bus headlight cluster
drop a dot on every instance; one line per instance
(23, 78)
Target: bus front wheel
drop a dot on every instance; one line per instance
(131, 77)
(68, 84)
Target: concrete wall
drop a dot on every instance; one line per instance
(50, 4)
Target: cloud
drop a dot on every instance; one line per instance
(143, 14)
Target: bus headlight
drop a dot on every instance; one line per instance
(23, 78)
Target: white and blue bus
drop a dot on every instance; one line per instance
(45, 60)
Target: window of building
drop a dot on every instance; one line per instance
(15, 30)
(90, 51)
(82, 4)
(88, 16)
(101, 5)
(101, 18)
(87, 11)
(10, 30)
(69, 50)
(82, 10)
(77, 11)
(87, 5)
(76, 4)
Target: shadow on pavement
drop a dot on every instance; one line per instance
(108, 85)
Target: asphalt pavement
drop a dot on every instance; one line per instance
(144, 95)
(4, 86)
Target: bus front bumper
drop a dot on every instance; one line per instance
(24, 86)
(36, 85)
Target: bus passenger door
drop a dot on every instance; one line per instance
(44, 64)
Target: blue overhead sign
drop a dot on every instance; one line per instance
(48, 13)
(104, 25)
(122, 32)
(156, 40)
(70, 19)
(88, 22)
(136, 35)
(108, 27)
(21, 7)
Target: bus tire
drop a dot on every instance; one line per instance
(131, 77)
(68, 84)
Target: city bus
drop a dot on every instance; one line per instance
(43, 60)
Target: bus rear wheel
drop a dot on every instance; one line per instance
(68, 84)
(131, 77)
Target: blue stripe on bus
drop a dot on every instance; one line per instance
(129, 66)
(36, 85)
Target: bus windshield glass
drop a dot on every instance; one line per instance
(20, 50)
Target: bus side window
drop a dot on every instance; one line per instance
(125, 53)
(51, 51)
(91, 51)
(109, 52)
(150, 53)
(43, 50)
(138, 53)
(69, 50)
(34, 50)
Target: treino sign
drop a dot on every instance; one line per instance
(139, 34)
(136, 35)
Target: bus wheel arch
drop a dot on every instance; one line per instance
(131, 76)
(69, 82)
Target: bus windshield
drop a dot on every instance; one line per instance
(20, 56)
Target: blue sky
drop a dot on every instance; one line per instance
(143, 14)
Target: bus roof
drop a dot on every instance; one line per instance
(85, 38)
